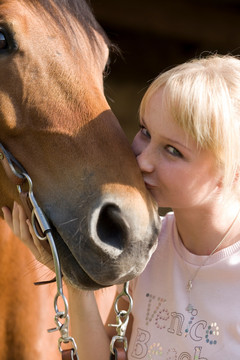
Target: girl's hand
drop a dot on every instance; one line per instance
(22, 228)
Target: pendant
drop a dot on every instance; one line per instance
(189, 285)
(189, 308)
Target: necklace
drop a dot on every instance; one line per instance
(189, 286)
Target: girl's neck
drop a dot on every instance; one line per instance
(202, 229)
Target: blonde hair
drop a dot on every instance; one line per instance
(203, 97)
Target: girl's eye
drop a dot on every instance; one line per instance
(173, 151)
(144, 131)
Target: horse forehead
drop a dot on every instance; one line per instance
(25, 17)
(8, 9)
(20, 13)
(43, 59)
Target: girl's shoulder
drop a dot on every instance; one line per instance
(167, 226)
(167, 218)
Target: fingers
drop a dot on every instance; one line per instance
(16, 220)
(22, 218)
(7, 215)
(22, 228)
(40, 252)
(12, 218)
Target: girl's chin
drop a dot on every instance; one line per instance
(161, 202)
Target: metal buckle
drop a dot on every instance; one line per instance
(122, 318)
(19, 176)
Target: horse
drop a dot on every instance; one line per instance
(56, 121)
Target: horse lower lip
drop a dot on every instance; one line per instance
(81, 278)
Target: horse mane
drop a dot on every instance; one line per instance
(60, 10)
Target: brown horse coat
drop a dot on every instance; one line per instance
(56, 121)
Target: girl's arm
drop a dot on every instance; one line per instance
(87, 327)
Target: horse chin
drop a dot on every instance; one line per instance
(72, 272)
(76, 273)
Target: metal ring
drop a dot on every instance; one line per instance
(124, 292)
(118, 338)
(65, 341)
(35, 228)
(61, 314)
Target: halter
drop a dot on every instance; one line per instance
(19, 177)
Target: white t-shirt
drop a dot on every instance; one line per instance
(162, 327)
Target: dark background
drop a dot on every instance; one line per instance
(154, 35)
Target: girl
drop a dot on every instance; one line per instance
(186, 302)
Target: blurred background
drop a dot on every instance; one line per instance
(154, 35)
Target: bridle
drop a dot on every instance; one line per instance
(19, 177)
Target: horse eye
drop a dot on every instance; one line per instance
(3, 41)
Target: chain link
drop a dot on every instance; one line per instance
(122, 318)
(62, 318)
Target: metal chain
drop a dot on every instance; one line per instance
(61, 318)
(122, 318)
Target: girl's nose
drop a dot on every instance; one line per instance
(142, 153)
(144, 161)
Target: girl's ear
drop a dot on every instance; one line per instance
(237, 176)
(220, 176)
(236, 179)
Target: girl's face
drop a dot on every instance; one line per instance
(176, 172)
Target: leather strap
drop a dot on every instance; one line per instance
(119, 354)
(69, 355)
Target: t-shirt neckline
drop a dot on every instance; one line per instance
(199, 259)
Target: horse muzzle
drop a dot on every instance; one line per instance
(112, 243)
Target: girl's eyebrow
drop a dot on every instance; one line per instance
(142, 121)
(177, 143)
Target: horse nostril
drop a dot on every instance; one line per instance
(112, 229)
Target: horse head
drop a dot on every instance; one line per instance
(56, 121)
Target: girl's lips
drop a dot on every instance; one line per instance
(149, 186)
